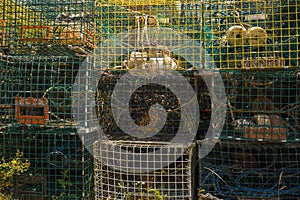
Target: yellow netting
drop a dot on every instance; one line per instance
(141, 2)
(251, 34)
(13, 17)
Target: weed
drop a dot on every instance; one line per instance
(9, 170)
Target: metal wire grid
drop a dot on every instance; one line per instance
(251, 170)
(34, 83)
(36, 118)
(60, 165)
(262, 106)
(143, 42)
(117, 16)
(75, 27)
(251, 34)
(140, 103)
(115, 180)
(282, 42)
(47, 27)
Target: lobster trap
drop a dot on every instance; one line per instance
(36, 118)
(120, 176)
(47, 28)
(37, 90)
(262, 106)
(251, 170)
(116, 16)
(251, 34)
(60, 165)
(140, 105)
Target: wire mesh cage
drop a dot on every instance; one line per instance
(152, 43)
(116, 178)
(36, 119)
(140, 107)
(251, 170)
(47, 27)
(60, 166)
(116, 16)
(44, 44)
(37, 90)
(251, 34)
(262, 106)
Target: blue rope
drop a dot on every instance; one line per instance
(227, 183)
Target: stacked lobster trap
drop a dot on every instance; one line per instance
(167, 48)
(43, 44)
(262, 106)
(36, 119)
(150, 46)
(254, 44)
(124, 162)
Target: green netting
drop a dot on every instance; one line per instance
(36, 118)
(62, 167)
(38, 77)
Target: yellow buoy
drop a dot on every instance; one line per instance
(257, 36)
(236, 35)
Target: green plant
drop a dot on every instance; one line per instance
(9, 170)
(65, 184)
(5, 197)
(157, 194)
(205, 196)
